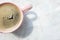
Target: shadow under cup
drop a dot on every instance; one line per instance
(27, 25)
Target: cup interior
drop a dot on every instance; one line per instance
(18, 23)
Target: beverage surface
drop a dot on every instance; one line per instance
(9, 16)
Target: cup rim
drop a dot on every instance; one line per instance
(15, 27)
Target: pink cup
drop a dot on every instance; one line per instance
(22, 11)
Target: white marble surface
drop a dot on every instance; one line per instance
(42, 22)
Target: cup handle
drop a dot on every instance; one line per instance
(26, 8)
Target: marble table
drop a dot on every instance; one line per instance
(42, 22)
